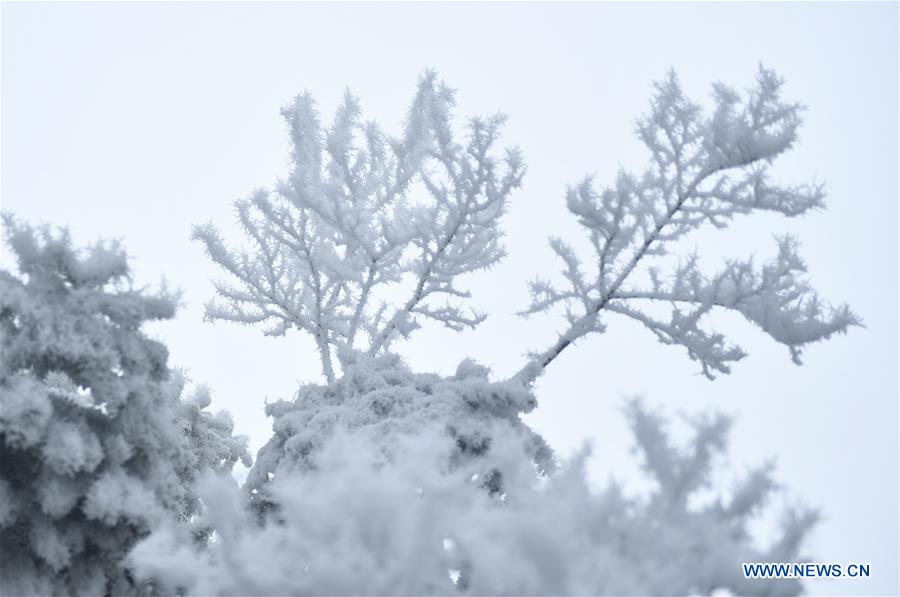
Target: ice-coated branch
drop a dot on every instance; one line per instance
(362, 215)
(703, 169)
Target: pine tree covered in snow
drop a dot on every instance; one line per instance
(385, 481)
(97, 446)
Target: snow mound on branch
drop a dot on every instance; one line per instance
(382, 400)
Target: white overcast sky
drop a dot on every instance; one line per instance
(138, 120)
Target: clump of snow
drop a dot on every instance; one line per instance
(381, 399)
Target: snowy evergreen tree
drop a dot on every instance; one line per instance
(97, 446)
(385, 481)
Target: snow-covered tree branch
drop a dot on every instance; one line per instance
(363, 212)
(703, 169)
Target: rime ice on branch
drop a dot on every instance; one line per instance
(704, 169)
(362, 211)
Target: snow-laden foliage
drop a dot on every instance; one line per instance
(705, 168)
(360, 212)
(381, 400)
(391, 501)
(96, 445)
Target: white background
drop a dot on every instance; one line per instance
(138, 120)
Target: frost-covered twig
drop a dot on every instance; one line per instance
(703, 169)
